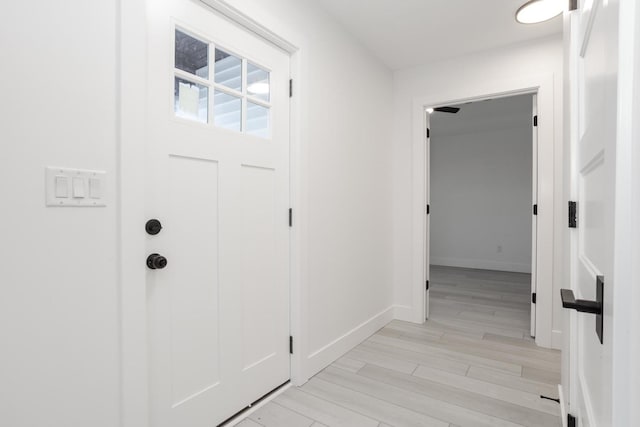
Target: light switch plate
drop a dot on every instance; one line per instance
(87, 188)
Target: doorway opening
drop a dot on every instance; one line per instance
(481, 216)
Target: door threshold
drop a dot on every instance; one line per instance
(244, 413)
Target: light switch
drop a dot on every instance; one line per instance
(62, 187)
(95, 190)
(78, 188)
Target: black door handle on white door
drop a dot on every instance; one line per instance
(587, 306)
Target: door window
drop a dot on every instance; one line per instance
(241, 100)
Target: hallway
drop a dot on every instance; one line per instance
(472, 364)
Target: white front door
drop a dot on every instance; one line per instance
(218, 181)
(594, 91)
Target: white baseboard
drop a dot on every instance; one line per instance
(481, 264)
(323, 357)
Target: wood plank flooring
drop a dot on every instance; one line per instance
(471, 364)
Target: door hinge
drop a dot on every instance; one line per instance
(573, 215)
(428, 133)
(533, 298)
(571, 421)
(290, 88)
(290, 344)
(290, 217)
(535, 209)
(427, 285)
(573, 5)
(535, 120)
(428, 209)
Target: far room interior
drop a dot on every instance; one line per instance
(482, 209)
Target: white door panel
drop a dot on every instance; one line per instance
(594, 159)
(219, 312)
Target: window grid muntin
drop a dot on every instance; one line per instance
(212, 86)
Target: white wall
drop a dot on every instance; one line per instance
(470, 74)
(480, 171)
(59, 362)
(59, 312)
(346, 179)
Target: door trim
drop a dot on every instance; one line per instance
(247, 23)
(626, 323)
(543, 86)
(131, 69)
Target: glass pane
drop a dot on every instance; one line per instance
(227, 111)
(258, 120)
(191, 100)
(228, 70)
(192, 55)
(258, 82)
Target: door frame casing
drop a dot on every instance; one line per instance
(131, 69)
(626, 272)
(543, 87)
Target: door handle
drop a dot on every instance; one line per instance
(156, 262)
(581, 305)
(586, 306)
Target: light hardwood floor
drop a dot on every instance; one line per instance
(472, 364)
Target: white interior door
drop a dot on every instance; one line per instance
(218, 162)
(427, 222)
(595, 105)
(534, 217)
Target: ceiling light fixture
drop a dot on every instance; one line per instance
(535, 11)
(430, 110)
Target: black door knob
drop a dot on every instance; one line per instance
(153, 227)
(156, 262)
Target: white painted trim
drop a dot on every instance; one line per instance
(323, 357)
(483, 264)
(569, 348)
(299, 233)
(544, 87)
(132, 69)
(563, 406)
(234, 15)
(534, 218)
(626, 272)
(131, 110)
(586, 401)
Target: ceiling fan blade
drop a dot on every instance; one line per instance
(452, 110)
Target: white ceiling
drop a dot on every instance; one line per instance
(403, 33)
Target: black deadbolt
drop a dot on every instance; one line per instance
(153, 226)
(156, 262)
